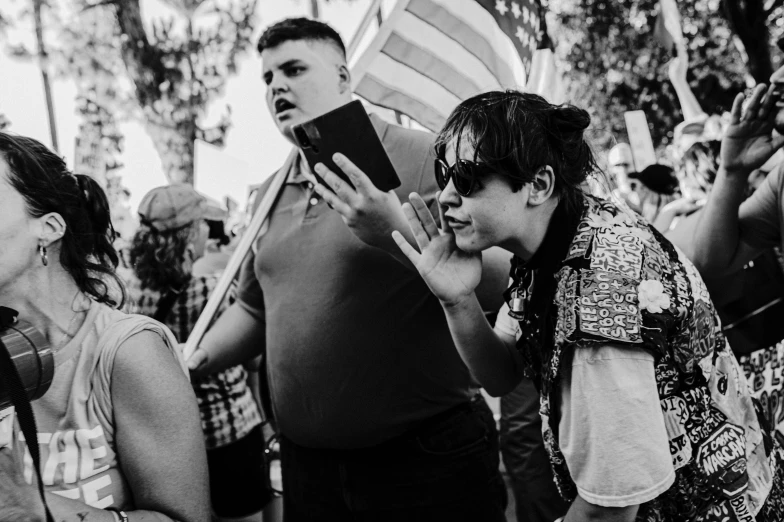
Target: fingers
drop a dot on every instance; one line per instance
(358, 178)
(737, 108)
(420, 236)
(768, 103)
(332, 199)
(197, 359)
(343, 190)
(425, 216)
(752, 107)
(409, 251)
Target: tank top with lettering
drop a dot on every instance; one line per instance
(75, 417)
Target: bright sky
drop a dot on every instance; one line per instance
(254, 147)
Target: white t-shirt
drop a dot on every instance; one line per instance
(611, 431)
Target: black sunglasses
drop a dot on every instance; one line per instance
(464, 174)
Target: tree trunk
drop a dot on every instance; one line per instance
(172, 135)
(43, 63)
(748, 21)
(176, 150)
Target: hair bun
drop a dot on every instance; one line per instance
(569, 118)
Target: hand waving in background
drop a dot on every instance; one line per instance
(749, 141)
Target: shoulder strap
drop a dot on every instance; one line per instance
(24, 414)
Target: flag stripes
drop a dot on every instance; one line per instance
(431, 54)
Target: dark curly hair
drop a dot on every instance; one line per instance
(517, 133)
(157, 257)
(299, 29)
(86, 249)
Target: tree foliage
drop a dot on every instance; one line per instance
(178, 68)
(164, 74)
(613, 63)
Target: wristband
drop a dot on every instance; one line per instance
(119, 516)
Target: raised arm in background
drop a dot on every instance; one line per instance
(747, 144)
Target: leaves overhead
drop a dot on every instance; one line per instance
(164, 73)
(613, 62)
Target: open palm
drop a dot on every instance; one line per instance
(450, 273)
(748, 141)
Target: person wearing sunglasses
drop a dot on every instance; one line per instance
(647, 415)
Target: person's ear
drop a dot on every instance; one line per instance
(344, 78)
(51, 228)
(542, 186)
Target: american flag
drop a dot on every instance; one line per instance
(429, 55)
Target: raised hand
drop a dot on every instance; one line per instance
(748, 141)
(451, 273)
(369, 212)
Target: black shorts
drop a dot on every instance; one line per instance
(239, 479)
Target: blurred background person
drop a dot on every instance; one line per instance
(118, 427)
(747, 299)
(172, 236)
(657, 186)
(620, 163)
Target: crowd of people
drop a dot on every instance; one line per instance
(364, 323)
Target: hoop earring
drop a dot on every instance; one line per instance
(44, 258)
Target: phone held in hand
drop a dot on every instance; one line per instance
(347, 130)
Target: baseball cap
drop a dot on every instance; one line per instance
(658, 178)
(175, 206)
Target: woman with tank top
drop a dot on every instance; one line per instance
(119, 432)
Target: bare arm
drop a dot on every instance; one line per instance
(748, 142)
(158, 436)
(235, 338)
(492, 357)
(678, 68)
(718, 246)
(453, 276)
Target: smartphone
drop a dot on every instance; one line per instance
(347, 130)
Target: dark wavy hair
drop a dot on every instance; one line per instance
(157, 256)
(86, 249)
(299, 29)
(517, 133)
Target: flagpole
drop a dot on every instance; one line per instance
(235, 261)
(374, 11)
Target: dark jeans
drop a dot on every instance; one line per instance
(526, 461)
(446, 469)
(238, 484)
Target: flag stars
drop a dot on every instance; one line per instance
(500, 6)
(516, 10)
(521, 35)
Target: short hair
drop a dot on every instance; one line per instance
(299, 29)
(517, 133)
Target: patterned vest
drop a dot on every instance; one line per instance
(612, 278)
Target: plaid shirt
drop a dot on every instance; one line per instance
(228, 411)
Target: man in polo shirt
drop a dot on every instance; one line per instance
(378, 416)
